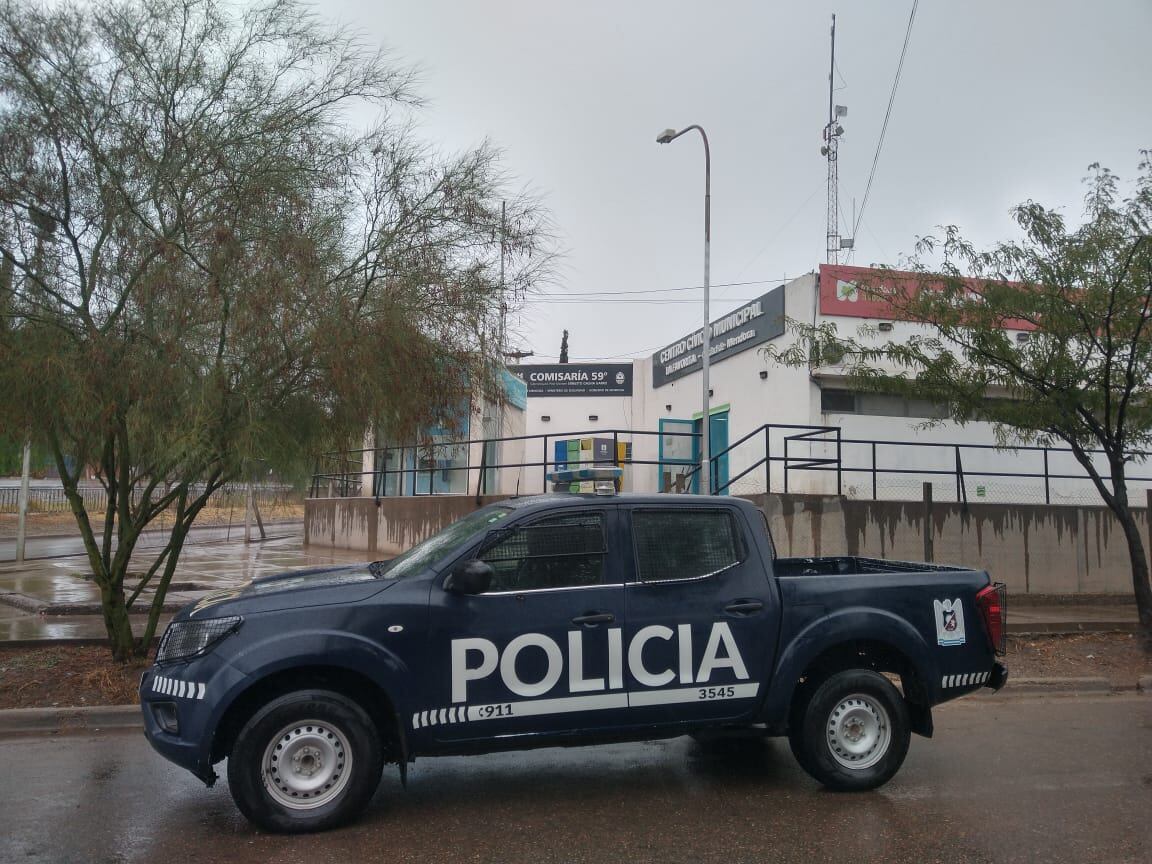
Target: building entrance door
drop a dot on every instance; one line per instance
(717, 443)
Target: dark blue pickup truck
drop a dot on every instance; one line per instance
(563, 620)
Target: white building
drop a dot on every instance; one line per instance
(655, 404)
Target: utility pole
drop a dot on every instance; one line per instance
(503, 287)
(22, 502)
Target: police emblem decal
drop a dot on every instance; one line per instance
(949, 621)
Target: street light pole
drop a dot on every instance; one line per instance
(666, 137)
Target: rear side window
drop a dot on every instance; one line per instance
(557, 552)
(684, 544)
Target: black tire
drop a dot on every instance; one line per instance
(853, 733)
(334, 758)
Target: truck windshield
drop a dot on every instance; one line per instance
(441, 544)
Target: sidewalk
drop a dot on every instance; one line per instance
(52, 599)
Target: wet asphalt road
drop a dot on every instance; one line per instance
(1048, 779)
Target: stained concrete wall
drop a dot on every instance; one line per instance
(1035, 549)
(386, 528)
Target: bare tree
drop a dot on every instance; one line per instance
(204, 262)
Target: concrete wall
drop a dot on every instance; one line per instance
(1033, 548)
(385, 529)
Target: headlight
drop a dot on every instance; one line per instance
(188, 638)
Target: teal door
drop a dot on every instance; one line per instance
(717, 443)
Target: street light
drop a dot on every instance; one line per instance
(667, 137)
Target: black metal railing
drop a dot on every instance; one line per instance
(343, 474)
(779, 450)
(874, 467)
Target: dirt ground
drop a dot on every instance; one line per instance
(67, 676)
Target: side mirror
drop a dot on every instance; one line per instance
(471, 577)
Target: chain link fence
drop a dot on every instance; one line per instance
(50, 513)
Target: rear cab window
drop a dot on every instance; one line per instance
(678, 544)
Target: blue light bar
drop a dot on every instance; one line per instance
(604, 479)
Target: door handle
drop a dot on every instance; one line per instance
(743, 607)
(591, 619)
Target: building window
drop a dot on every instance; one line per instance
(840, 401)
(837, 401)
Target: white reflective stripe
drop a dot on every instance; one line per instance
(443, 715)
(416, 720)
(691, 694)
(457, 714)
(183, 688)
(424, 718)
(534, 707)
(947, 681)
(963, 680)
(203, 687)
(166, 687)
(155, 683)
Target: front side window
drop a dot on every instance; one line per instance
(441, 545)
(684, 544)
(564, 551)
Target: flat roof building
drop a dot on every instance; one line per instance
(763, 411)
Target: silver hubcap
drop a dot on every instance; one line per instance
(306, 765)
(858, 732)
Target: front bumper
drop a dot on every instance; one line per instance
(181, 703)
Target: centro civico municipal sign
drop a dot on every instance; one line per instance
(577, 379)
(748, 326)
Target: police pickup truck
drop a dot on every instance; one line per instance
(564, 620)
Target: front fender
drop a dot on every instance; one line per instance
(842, 627)
(298, 650)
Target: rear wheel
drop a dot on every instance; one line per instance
(306, 761)
(853, 732)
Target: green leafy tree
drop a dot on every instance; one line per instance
(204, 262)
(1084, 375)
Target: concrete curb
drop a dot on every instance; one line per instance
(1057, 685)
(1065, 628)
(51, 721)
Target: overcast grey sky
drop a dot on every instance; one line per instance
(999, 102)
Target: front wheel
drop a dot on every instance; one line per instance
(853, 733)
(306, 761)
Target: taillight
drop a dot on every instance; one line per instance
(993, 605)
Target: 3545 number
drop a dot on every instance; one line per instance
(717, 692)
